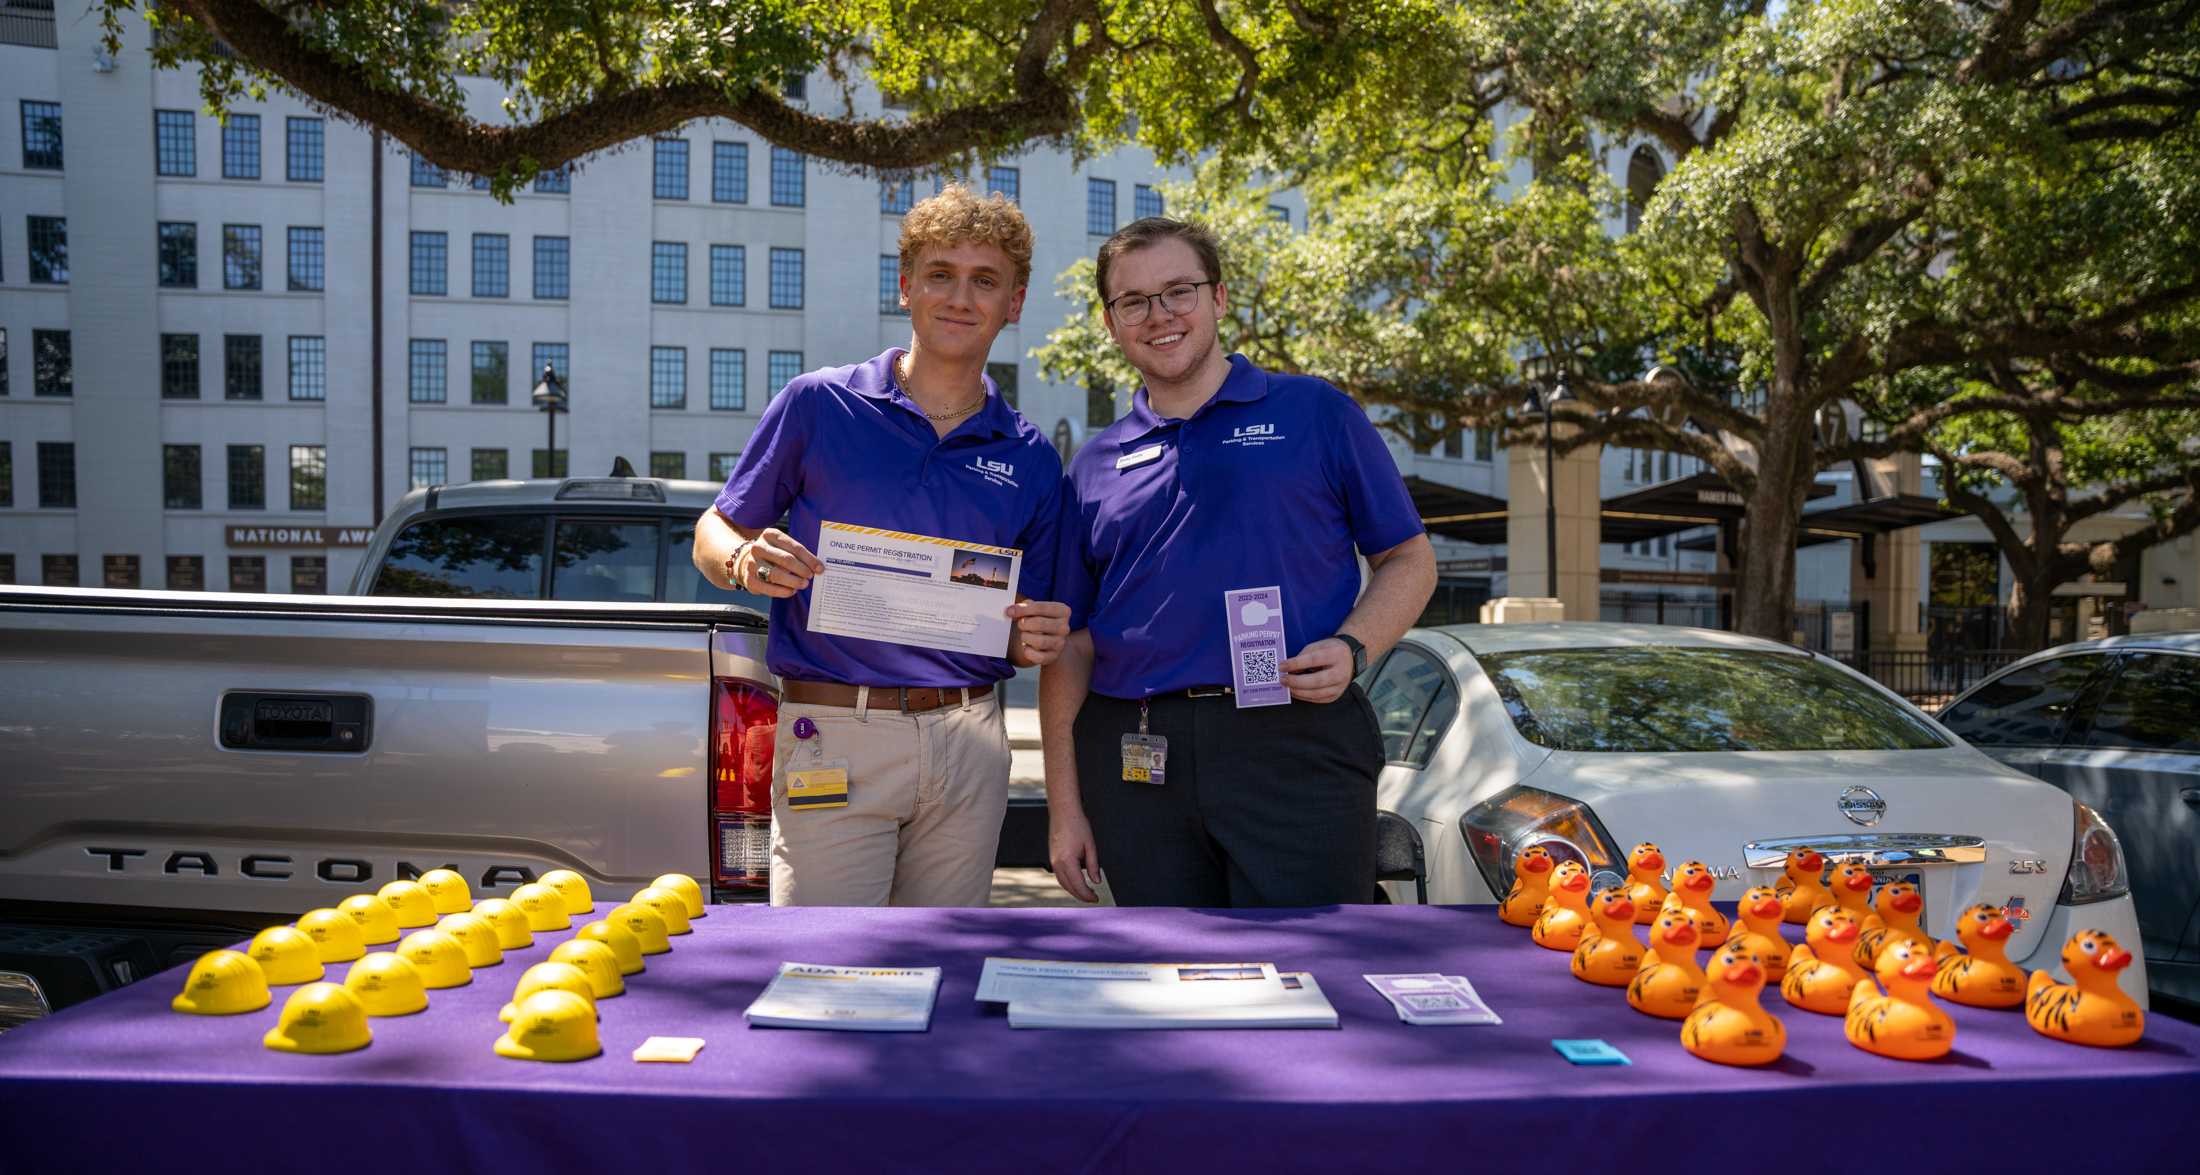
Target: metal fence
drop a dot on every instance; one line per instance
(1930, 679)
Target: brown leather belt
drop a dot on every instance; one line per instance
(913, 699)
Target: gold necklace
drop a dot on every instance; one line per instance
(901, 372)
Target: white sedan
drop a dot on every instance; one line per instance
(1589, 738)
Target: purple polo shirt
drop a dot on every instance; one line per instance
(1276, 480)
(844, 444)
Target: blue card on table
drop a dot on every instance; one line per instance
(1590, 1052)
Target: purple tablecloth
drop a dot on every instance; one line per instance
(975, 1095)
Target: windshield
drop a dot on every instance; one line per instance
(1692, 699)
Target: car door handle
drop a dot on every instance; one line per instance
(342, 723)
(2191, 796)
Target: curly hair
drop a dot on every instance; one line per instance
(959, 216)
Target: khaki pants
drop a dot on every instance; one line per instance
(926, 793)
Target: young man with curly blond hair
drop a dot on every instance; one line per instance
(915, 440)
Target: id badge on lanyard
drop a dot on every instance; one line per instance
(814, 781)
(1145, 756)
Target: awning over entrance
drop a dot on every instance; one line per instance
(1857, 520)
(1454, 513)
(1684, 503)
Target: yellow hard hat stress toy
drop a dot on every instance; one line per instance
(551, 1026)
(2091, 1009)
(646, 923)
(476, 935)
(668, 906)
(286, 955)
(573, 888)
(223, 983)
(335, 936)
(438, 957)
(377, 922)
(448, 891)
(624, 946)
(545, 910)
(595, 961)
(320, 1018)
(386, 985)
(548, 977)
(510, 922)
(411, 902)
(686, 887)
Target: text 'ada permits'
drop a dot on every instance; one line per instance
(1256, 646)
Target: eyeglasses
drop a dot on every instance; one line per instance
(1132, 309)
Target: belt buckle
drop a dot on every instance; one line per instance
(1207, 691)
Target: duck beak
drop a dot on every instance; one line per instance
(1859, 881)
(2113, 959)
(1997, 928)
(1922, 967)
(1701, 881)
(1908, 903)
(1651, 861)
(1620, 911)
(1743, 974)
(1680, 936)
(1769, 908)
(1845, 932)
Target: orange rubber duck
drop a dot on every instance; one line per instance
(1608, 953)
(1531, 884)
(1822, 970)
(1729, 1025)
(1904, 1023)
(2092, 1009)
(1670, 983)
(1851, 885)
(1692, 884)
(1803, 888)
(1645, 881)
(1982, 976)
(1757, 926)
(1566, 911)
(1898, 905)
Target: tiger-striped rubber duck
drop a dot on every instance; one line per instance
(1822, 970)
(1757, 926)
(1565, 910)
(1904, 1023)
(1898, 906)
(1670, 983)
(1729, 1025)
(1645, 881)
(1531, 883)
(1851, 886)
(1802, 887)
(2092, 1009)
(1982, 976)
(1692, 884)
(1608, 953)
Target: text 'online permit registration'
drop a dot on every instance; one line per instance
(913, 589)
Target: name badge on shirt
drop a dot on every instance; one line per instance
(1145, 759)
(1138, 457)
(822, 786)
(1256, 646)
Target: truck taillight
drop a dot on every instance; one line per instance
(1499, 828)
(744, 719)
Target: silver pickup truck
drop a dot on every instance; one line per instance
(527, 676)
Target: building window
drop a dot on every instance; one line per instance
(309, 477)
(430, 467)
(187, 573)
(240, 367)
(670, 169)
(7, 481)
(1278, 212)
(668, 377)
(551, 354)
(3, 361)
(181, 488)
(1100, 207)
(492, 378)
(1008, 181)
(897, 196)
(56, 475)
(1145, 202)
(549, 464)
(58, 570)
(175, 146)
(427, 371)
(492, 464)
(430, 263)
(308, 367)
(1485, 445)
(241, 147)
(306, 258)
(668, 465)
(1004, 378)
(1645, 171)
(721, 466)
(780, 367)
(555, 181)
(49, 241)
(795, 86)
(247, 477)
(179, 367)
(729, 379)
(428, 175)
(729, 283)
(668, 271)
(178, 249)
(42, 136)
(889, 284)
(786, 279)
(788, 176)
(492, 265)
(308, 575)
(53, 363)
(1099, 405)
(119, 571)
(248, 573)
(240, 256)
(479, 183)
(553, 267)
(1455, 442)
(302, 150)
(729, 173)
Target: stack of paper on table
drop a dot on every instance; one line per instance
(1057, 994)
(1426, 998)
(861, 999)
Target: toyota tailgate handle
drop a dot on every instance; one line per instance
(341, 723)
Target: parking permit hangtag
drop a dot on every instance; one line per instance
(1145, 756)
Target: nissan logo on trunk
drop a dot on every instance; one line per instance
(1862, 805)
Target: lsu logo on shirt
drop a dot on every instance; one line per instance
(1000, 473)
(1253, 434)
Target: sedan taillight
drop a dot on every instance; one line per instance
(1500, 828)
(2096, 863)
(744, 722)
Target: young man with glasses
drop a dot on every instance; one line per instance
(1221, 478)
(917, 441)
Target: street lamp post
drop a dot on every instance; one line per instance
(1537, 370)
(549, 397)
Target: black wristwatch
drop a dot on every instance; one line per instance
(1359, 652)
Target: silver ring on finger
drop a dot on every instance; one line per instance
(764, 573)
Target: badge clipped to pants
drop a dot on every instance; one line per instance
(819, 782)
(1145, 756)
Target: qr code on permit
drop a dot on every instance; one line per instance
(1259, 666)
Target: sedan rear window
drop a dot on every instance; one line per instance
(1691, 699)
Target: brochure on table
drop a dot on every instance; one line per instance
(858, 999)
(1042, 993)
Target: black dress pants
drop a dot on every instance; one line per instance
(1271, 806)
